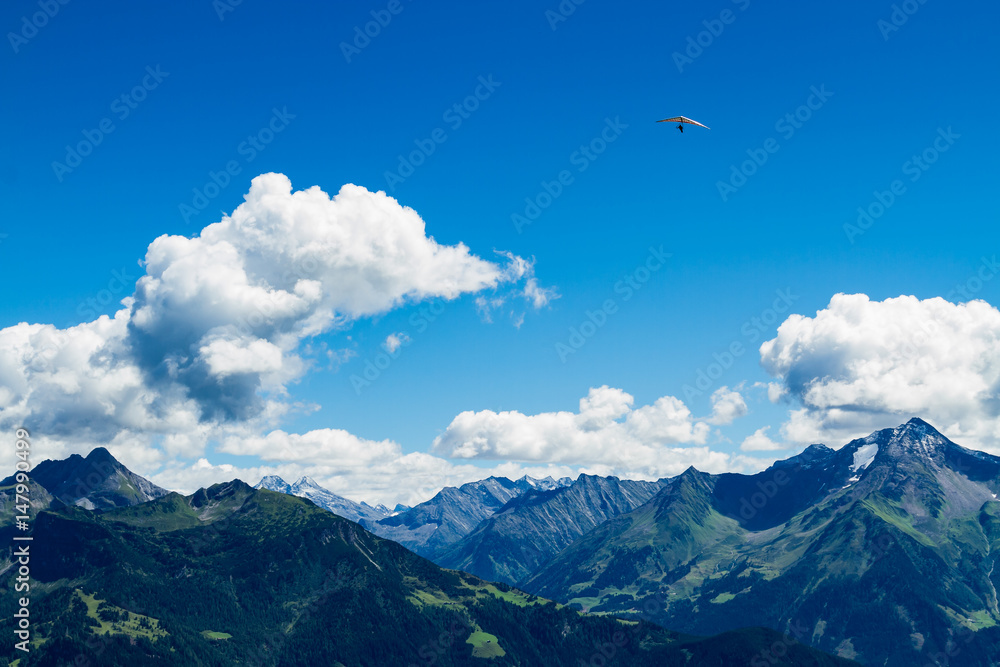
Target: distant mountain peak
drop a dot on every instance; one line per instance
(914, 438)
(273, 483)
(271, 479)
(811, 456)
(98, 481)
(542, 484)
(306, 487)
(99, 454)
(535, 525)
(913, 441)
(918, 425)
(307, 482)
(919, 428)
(224, 488)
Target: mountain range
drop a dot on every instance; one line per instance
(235, 575)
(530, 529)
(882, 552)
(306, 487)
(432, 526)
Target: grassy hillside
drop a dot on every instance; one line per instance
(890, 564)
(233, 576)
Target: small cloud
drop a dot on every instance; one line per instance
(759, 442)
(519, 268)
(727, 406)
(538, 296)
(339, 357)
(394, 341)
(486, 305)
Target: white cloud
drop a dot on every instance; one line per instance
(394, 341)
(81, 384)
(379, 472)
(727, 406)
(327, 444)
(382, 474)
(216, 329)
(228, 356)
(759, 442)
(606, 433)
(860, 365)
(537, 296)
(776, 391)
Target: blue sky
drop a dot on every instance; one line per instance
(555, 85)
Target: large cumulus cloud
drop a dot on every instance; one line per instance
(210, 340)
(859, 365)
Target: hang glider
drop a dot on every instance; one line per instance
(680, 120)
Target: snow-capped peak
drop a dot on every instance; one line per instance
(545, 484)
(273, 483)
(308, 482)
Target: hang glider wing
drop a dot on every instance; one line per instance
(682, 119)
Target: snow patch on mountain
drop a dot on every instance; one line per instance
(863, 457)
(546, 484)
